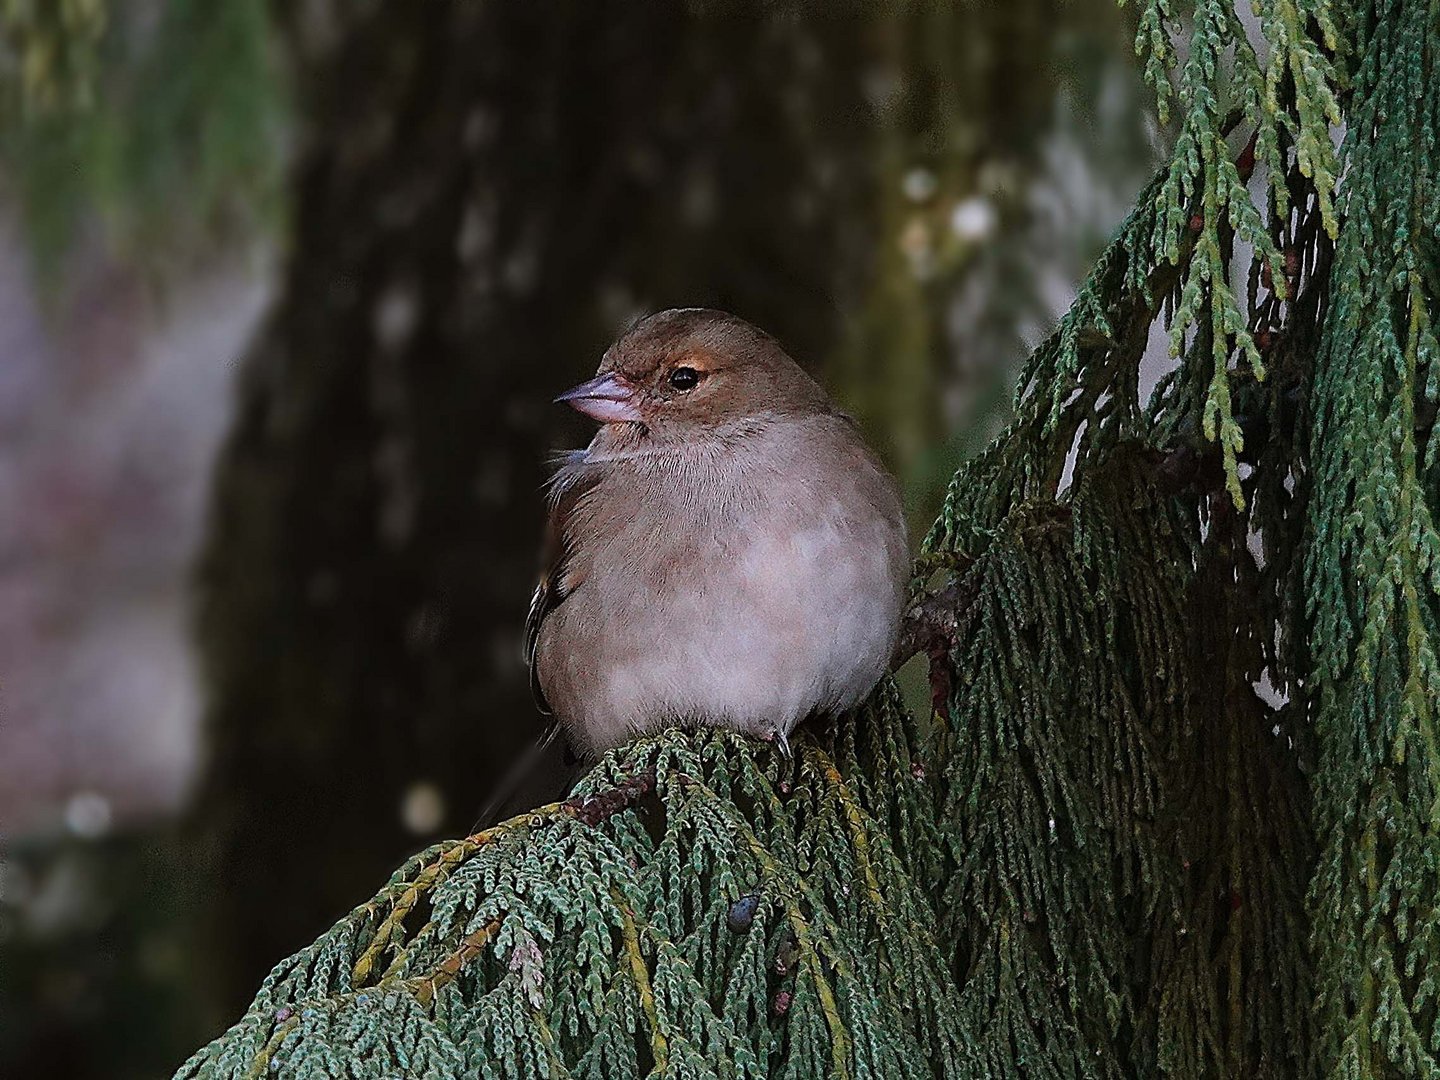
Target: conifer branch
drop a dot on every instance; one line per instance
(932, 620)
(640, 976)
(424, 987)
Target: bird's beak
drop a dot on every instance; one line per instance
(610, 398)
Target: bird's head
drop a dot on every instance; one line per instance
(688, 373)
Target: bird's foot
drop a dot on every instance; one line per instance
(782, 742)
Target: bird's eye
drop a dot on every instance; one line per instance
(684, 378)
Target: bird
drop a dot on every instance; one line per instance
(727, 551)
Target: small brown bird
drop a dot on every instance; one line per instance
(727, 551)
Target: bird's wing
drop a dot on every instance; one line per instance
(556, 583)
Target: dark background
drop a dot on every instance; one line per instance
(284, 295)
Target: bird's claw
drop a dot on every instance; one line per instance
(782, 742)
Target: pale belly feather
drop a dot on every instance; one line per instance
(749, 630)
(736, 594)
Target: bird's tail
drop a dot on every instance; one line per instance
(521, 770)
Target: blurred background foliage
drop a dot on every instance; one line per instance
(418, 222)
(164, 122)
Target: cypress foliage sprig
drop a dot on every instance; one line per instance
(1290, 100)
(1373, 569)
(1181, 942)
(696, 909)
(1055, 776)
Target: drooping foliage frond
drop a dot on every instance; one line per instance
(696, 909)
(1373, 568)
(1132, 692)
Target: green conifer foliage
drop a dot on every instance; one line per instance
(166, 119)
(1176, 811)
(1373, 567)
(695, 909)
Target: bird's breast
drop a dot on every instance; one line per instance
(742, 598)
